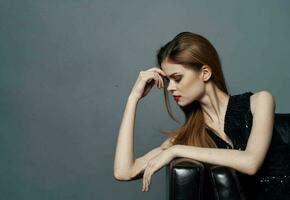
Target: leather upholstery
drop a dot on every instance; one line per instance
(186, 177)
(225, 183)
(190, 179)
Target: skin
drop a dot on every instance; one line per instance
(196, 85)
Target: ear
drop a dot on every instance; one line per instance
(205, 73)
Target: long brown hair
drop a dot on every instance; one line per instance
(192, 50)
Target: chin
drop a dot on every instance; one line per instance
(184, 103)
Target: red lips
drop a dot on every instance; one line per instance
(176, 98)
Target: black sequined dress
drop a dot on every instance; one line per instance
(271, 181)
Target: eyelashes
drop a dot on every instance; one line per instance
(177, 80)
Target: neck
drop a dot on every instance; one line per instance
(214, 103)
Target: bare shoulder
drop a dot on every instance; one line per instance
(263, 97)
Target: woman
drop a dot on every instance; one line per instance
(190, 69)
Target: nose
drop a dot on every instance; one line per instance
(170, 86)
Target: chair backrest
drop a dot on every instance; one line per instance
(282, 126)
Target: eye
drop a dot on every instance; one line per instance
(178, 79)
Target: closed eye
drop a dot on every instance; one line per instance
(178, 79)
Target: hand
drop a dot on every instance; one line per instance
(154, 165)
(146, 80)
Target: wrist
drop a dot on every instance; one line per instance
(174, 150)
(133, 98)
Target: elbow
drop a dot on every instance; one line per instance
(252, 167)
(252, 170)
(121, 176)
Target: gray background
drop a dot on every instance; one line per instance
(67, 67)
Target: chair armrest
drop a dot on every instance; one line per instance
(225, 183)
(186, 178)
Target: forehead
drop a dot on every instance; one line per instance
(170, 68)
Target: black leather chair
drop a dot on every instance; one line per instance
(189, 179)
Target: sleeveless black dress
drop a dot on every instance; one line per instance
(270, 182)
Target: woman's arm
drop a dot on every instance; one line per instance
(140, 163)
(124, 155)
(124, 163)
(125, 166)
(250, 160)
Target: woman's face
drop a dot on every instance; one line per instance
(184, 82)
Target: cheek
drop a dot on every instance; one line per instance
(192, 85)
(194, 89)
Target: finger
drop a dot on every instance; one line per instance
(149, 174)
(143, 187)
(146, 180)
(152, 76)
(158, 80)
(146, 184)
(161, 81)
(157, 70)
(149, 180)
(155, 75)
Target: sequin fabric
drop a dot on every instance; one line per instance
(272, 181)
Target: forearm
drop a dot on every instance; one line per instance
(124, 155)
(236, 159)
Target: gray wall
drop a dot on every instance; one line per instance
(67, 67)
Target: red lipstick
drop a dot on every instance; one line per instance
(176, 97)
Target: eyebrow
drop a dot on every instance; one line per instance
(171, 75)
